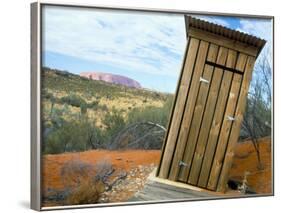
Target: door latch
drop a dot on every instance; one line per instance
(181, 163)
(204, 80)
(229, 118)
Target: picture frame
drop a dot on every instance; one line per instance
(47, 92)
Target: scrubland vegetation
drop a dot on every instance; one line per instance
(81, 114)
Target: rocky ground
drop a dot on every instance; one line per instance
(124, 189)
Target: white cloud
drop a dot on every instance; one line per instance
(258, 27)
(137, 41)
(214, 19)
(261, 28)
(145, 42)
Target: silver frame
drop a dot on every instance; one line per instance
(36, 64)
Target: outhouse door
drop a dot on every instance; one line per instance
(207, 114)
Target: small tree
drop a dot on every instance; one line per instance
(257, 119)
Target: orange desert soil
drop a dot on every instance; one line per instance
(123, 160)
(244, 160)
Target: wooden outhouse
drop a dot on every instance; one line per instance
(209, 105)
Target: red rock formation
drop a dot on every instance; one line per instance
(111, 78)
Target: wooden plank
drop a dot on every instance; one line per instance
(207, 117)
(223, 41)
(212, 53)
(236, 126)
(242, 60)
(189, 107)
(179, 185)
(217, 76)
(165, 193)
(196, 120)
(160, 191)
(217, 121)
(179, 107)
(177, 188)
(226, 126)
(173, 107)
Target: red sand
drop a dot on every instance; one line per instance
(245, 160)
(120, 159)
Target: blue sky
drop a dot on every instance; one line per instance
(147, 47)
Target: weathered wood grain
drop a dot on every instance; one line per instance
(197, 115)
(216, 122)
(181, 143)
(235, 130)
(190, 103)
(196, 120)
(207, 119)
(226, 125)
(199, 143)
(179, 107)
(199, 110)
(159, 191)
(173, 107)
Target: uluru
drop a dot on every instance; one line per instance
(112, 78)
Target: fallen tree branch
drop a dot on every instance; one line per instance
(122, 176)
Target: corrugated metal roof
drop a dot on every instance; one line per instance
(224, 31)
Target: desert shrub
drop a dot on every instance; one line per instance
(88, 192)
(61, 139)
(85, 182)
(72, 136)
(159, 115)
(103, 107)
(93, 104)
(47, 95)
(73, 100)
(79, 180)
(53, 120)
(83, 108)
(114, 122)
(75, 171)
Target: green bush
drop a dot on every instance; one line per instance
(83, 108)
(103, 107)
(114, 122)
(159, 115)
(93, 104)
(47, 95)
(59, 140)
(72, 136)
(73, 100)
